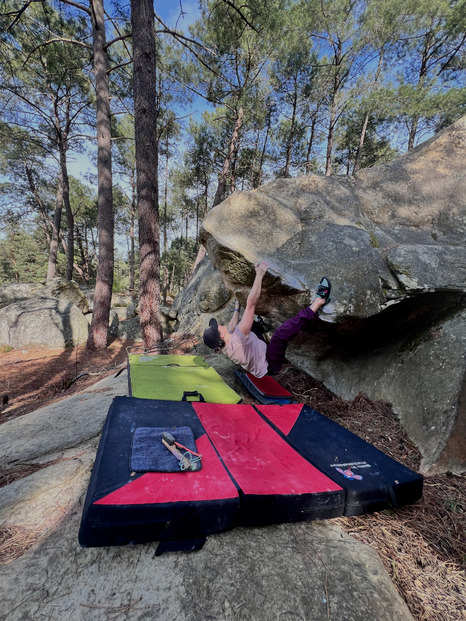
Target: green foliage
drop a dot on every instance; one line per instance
(376, 150)
(178, 261)
(304, 74)
(121, 274)
(23, 256)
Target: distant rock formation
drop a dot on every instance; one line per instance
(58, 288)
(57, 313)
(42, 322)
(391, 239)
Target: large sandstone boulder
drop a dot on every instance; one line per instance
(391, 239)
(42, 322)
(15, 292)
(56, 288)
(63, 289)
(204, 296)
(15, 331)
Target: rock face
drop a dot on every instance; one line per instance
(62, 289)
(43, 322)
(15, 292)
(204, 296)
(57, 313)
(391, 239)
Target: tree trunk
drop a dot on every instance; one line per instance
(145, 123)
(429, 37)
(105, 222)
(220, 194)
(46, 223)
(362, 137)
(165, 284)
(253, 169)
(264, 148)
(206, 196)
(132, 254)
(361, 142)
(53, 252)
(311, 142)
(331, 128)
(84, 272)
(413, 131)
(68, 211)
(233, 170)
(289, 147)
(333, 107)
(165, 203)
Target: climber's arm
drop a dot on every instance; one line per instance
(246, 322)
(235, 319)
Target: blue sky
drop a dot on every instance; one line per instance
(175, 13)
(170, 12)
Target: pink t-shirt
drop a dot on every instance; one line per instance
(248, 352)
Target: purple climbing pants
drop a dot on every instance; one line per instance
(276, 349)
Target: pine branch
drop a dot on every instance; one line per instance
(78, 5)
(243, 17)
(18, 13)
(181, 38)
(116, 39)
(55, 40)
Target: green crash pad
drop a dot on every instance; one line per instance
(168, 378)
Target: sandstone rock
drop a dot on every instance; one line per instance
(55, 288)
(113, 323)
(129, 330)
(121, 300)
(391, 239)
(15, 292)
(62, 289)
(203, 297)
(128, 311)
(89, 293)
(42, 322)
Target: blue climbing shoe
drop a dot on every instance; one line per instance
(323, 289)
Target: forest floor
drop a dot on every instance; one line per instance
(423, 546)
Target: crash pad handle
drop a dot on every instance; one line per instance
(192, 393)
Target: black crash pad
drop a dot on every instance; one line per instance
(372, 480)
(177, 508)
(250, 476)
(276, 483)
(260, 465)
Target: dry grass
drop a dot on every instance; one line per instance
(16, 541)
(433, 588)
(10, 475)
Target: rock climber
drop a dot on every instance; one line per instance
(244, 345)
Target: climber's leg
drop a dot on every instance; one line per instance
(276, 349)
